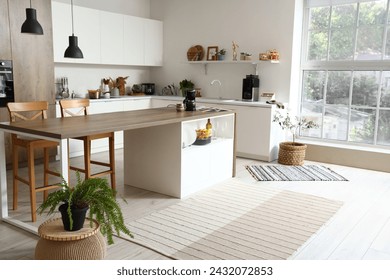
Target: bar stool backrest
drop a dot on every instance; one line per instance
(68, 107)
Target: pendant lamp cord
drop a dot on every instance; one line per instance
(30, 4)
(71, 1)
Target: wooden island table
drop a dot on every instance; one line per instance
(152, 138)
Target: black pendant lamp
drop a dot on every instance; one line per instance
(31, 25)
(73, 51)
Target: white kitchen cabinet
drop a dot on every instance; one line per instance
(257, 136)
(111, 38)
(153, 42)
(136, 104)
(134, 40)
(86, 28)
(155, 103)
(192, 168)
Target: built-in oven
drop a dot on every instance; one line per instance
(6, 83)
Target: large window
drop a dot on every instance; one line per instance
(346, 70)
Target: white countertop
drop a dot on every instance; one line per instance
(179, 99)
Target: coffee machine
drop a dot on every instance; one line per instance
(189, 101)
(250, 87)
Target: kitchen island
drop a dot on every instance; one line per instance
(158, 126)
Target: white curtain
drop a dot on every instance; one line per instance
(322, 3)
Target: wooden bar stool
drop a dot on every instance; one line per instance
(26, 111)
(79, 107)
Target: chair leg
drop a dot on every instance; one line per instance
(31, 177)
(15, 166)
(87, 158)
(45, 171)
(112, 161)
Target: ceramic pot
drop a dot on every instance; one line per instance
(78, 216)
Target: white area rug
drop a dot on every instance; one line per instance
(235, 221)
(293, 173)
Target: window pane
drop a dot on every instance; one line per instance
(372, 12)
(384, 127)
(336, 123)
(343, 16)
(385, 90)
(313, 86)
(369, 43)
(318, 45)
(312, 111)
(341, 44)
(362, 126)
(319, 18)
(365, 88)
(338, 87)
(387, 51)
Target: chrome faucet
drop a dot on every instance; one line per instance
(214, 81)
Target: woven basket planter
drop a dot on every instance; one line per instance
(292, 153)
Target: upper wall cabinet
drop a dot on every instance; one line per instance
(111, 38)
(107, 38)
(153, 42)
(86, 28)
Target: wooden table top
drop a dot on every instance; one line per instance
(63, 128)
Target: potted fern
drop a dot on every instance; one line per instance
(292, 153)
(94, 195)
(186, 85)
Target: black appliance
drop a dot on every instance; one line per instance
(6, 83)
(189, 101)
(148, 88)
(250, 87)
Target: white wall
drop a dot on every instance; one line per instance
(83, 77)
(256, 26)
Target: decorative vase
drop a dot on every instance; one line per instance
(78, 216)
(115, 91)
(292, 153)
(221, 57)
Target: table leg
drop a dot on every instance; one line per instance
(3, 178)
(64, 158)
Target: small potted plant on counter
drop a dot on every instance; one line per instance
(292, 153)
(94, 195)
(186, 85)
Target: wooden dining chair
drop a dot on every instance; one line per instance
(79, 107)
(27, 111)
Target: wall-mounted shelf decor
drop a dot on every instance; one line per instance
(255, 63)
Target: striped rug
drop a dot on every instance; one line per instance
(235, 221)
(293, 173)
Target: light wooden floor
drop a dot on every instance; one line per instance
(360, 230)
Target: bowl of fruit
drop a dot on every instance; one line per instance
(203, 136)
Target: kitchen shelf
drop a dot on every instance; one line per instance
(255, 63)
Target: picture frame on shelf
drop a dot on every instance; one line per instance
(212, 52)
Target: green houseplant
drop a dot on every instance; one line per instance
(292, 153)
(95, 194)
(186, 85)
(221, 54)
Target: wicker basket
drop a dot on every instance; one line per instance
(292, 153)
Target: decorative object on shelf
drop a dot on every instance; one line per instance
(292, 153)
(234, 48)
(94, 193)
(264, 56)
(198, 92)
(221, 54)
(195, 53)
(31, 24)
(105, 85)
(245, 56)
(212, 53)
(274, 55)
(186, 85)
